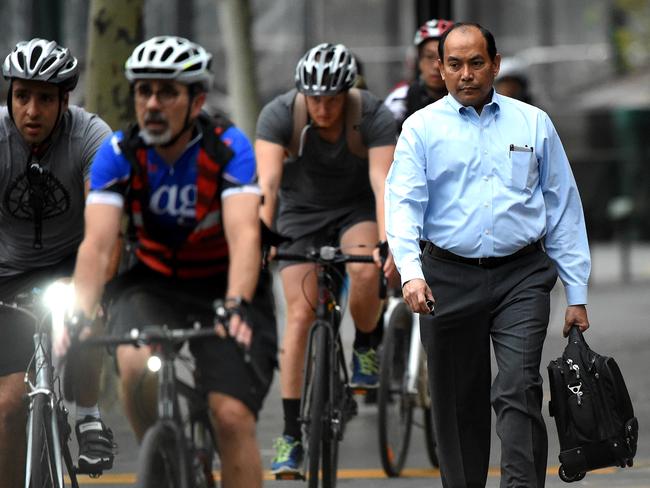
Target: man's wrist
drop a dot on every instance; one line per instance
(237, 305)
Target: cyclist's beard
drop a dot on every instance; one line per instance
(156, 138)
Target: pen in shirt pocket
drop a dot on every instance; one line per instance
(514, 148)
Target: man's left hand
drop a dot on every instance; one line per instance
(575, 315)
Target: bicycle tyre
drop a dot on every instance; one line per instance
(331, 439)
(43, 460)
(163, 458)
(317, 400)
(394, 403)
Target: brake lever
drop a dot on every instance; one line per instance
(383, 255)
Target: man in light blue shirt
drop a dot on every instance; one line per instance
(484, 181)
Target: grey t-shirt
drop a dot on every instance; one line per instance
(66, 165)
(327, 176)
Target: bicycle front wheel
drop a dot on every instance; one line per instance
(316, 397)
(394, 402)
(163, 458)
(42, 468)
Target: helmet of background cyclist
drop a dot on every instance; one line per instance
(326, 69)
(42, 60)
(431, 29)
(512, 67)
(170, 58)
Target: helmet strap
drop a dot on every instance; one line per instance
(188, 124)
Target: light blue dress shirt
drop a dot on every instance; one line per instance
(485, 185)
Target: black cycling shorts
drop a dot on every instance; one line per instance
(315, 229)
(142, 297)
(16, 328)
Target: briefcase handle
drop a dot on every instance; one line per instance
(576, 336)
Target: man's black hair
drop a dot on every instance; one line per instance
(487, 35)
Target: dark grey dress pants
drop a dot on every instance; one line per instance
(509, 304)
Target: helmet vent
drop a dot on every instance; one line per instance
(47, 64)
(36, 54)
(166, 53)
(21, 60)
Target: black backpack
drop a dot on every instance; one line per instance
(592, 409)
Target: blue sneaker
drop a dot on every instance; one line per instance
(288, 456)
(365, 368)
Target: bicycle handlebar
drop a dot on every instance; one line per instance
(333, 255)
(151, 334)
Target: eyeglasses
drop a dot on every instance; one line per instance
(166, 94)
(430, 58)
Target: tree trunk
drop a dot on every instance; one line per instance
(235, 23)
(114, 29)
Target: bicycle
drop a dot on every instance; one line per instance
(177, 451)
(403, 385)
(48, 431)
(327, 402)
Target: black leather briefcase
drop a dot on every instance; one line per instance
(592, 410)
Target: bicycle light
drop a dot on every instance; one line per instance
(59, 300)
(154, 364)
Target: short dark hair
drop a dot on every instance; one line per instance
(487, 35)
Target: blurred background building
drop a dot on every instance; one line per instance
(588, 63)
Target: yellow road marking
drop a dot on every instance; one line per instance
(129, 478)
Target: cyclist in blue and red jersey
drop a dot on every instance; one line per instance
(187, 182)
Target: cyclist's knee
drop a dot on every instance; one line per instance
(131, 363)
(232, 417)
(363, 275)
(300, 317)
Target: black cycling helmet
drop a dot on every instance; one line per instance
(326, 69)
(42, 60)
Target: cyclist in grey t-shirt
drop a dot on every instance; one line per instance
(46, 148)
(323, 183)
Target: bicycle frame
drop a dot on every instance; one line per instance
(42, 386)
(415, 348)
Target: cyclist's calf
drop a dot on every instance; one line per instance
(365, 304)
(139, 388)
(13, 417)
(238, 449)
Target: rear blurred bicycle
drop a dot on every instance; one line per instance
(403, 386)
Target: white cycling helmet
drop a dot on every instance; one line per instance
(326, 69)
(42, 60)
(512, 67)
(170, 58)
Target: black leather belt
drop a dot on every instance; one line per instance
(490, 262)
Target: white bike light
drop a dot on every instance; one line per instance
(154, 364)
(59, 299)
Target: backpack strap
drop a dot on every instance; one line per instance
(129, 146)
(353, 113)
(300, 116)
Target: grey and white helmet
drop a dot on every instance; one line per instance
(42, 60)
(170, 58)
(326, 69)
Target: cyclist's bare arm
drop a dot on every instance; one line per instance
(242, 229)
(379, 161)
(96, 252)
(270, 160)
(117, 250)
